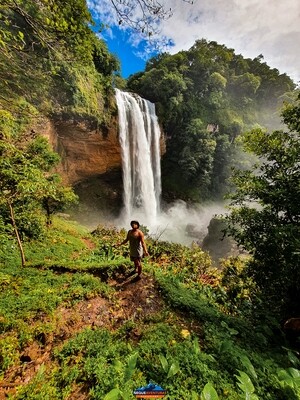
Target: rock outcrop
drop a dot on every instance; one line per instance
(217, 244)
(90, 162)
(86, 152)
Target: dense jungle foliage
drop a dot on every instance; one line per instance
(206, 97)
(52, 65)
(265, 213)
(69, 326)
(51, 59)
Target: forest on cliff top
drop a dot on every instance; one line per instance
(205, 97)
(71, 324)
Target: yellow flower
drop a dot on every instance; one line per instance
(185, 333)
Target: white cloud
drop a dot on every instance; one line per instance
(103, 10)
(250, 27)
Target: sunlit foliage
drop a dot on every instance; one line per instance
(265, 217)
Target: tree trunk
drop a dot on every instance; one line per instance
(48, 211)
(12, 216)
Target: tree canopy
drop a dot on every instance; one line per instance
(51, 50)
(227, 92)
(27, 184)
(265, 217)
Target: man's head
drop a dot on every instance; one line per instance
(135, 224)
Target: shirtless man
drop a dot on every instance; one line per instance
(137, 245)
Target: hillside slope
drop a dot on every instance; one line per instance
(76, 324)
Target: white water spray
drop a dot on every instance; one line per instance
(139, 136)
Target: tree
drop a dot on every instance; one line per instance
(47, 48)
(57, 197)
(209, 82)
(265, 216)
(105, 62)
(26, 181)
(197, 152)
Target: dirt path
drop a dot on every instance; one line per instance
(133, 299)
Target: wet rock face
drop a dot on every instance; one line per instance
(216, 243)
(86, 152)
(100, 198)
(91, 162)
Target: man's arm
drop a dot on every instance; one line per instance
(124, 241)
(144, 243)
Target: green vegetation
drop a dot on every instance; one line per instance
(265, 217)
(193, 342)
(56, 62)
(27, 186)
(206, 97)
(72, 321)
(52, 66)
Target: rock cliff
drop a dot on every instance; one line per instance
(86, 152)
(91, 163)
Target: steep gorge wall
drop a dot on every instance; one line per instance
(86, 152)
(90, 162)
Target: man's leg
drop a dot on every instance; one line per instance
(138, 265)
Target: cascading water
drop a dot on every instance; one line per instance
(139, 136)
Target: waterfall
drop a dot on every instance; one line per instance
(139, 136)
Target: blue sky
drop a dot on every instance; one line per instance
(119, 44)
(130, 47)
(250, 27)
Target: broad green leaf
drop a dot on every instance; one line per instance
(194, 396)
(164, 362)
(174, 369)
(295, 373)
(209, 392)
(130, 367)
(245, 383)
(114, 394)
(248, 365)
(289, 377)
(252, 397)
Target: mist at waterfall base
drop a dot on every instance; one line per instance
(177, 223)
(139, 135)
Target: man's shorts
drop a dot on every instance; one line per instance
(132, 258)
